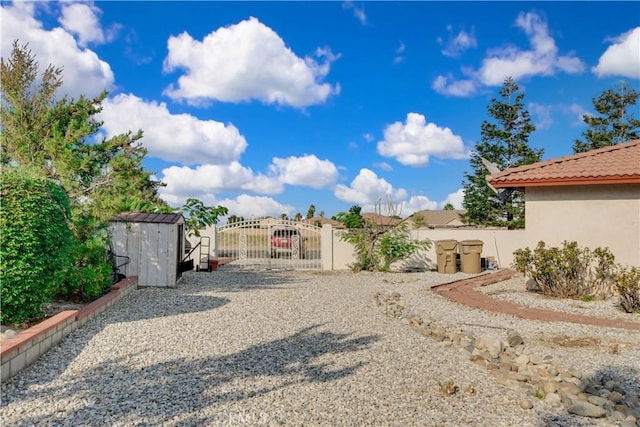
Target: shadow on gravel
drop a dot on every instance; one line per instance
(239, 281)
(114, 391)
(631, 377)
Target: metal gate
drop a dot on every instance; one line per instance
(270, 244)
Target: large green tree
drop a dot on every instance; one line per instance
(505, 143)
(614, 123)
(56, 138)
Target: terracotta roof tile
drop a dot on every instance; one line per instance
(616, 164)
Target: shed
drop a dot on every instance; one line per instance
(154, 243)
(592, 198)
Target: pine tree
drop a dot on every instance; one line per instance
(614, 125)
(53, 138)
(504, 142)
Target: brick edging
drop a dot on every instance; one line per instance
(463, 292)
(24, 348)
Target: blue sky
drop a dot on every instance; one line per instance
(268, 107)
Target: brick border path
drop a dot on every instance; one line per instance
(463, 292)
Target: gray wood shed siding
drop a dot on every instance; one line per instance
(152, 248)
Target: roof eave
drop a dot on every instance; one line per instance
(564, 182)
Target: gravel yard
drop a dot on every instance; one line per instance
(298, 348)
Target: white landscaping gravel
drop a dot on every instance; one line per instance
(293, 348)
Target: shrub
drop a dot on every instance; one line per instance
(568, 271)
(89, 274)
(627, 283)
(36, 241)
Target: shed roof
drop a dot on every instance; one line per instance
(148, 217)
(616, 164)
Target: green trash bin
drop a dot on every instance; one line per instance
(470, 251)
(447, 251)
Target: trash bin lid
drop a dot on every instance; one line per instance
(447, 244)
(471, 242)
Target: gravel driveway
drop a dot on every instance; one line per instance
(293, 348)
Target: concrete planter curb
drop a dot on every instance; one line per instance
(21, 350)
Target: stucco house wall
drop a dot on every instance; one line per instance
(594, 215)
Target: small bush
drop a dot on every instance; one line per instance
(36, 241)
(568, 271)
(627, 284)
(90, 274)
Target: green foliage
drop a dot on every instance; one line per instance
(377, 246)
(568, 271)
(627, 284)
(419, 220)
(448, 207)
(199, 216)
(615, 123)
(504, 143)
(56, 138)
(395, 245)
(36, 242)
(311, 212)
(351, 219)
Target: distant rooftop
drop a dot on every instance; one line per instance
(616, 164)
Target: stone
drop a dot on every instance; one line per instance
(535, 360)
(514, 338)
(523, 359)
(494, 346)
(597, 400)
(590, 389)
(615, 397)
(622, 408)
(586, 409)
(553, 399)
(549, 387)
(526, 404)
(626, 423)
(616, 416)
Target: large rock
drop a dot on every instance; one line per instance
(586, 409)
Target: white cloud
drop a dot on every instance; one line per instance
(357, 12)
(622, 58)
(84, 72)
(541, 60)
(577, 111)
(307, 171)
(399, 51)
(173, 137)
(367, 189)
(542, 115)
(368, 137)
(413, 142)
(247, 61)
(255, 206)
(384, 166)
(415, 204)
(459, 43)
(447, 85)
(83, 20)
(454, 198)
(202, 181)
(182, 181)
